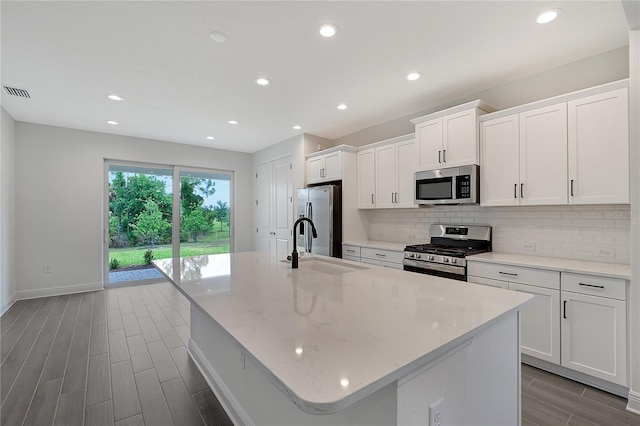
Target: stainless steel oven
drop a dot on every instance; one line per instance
(455, 185)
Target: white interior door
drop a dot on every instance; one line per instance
(264, 184)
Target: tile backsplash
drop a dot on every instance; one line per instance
(595, 233)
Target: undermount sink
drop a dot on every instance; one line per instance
(327, 266)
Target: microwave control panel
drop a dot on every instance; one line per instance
(463, 186)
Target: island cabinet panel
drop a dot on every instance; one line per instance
(599, 148)
(468, 381)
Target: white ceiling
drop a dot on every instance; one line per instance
(181, 86)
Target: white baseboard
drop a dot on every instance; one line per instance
(57, 291)
(12, 301)
(633, 403)
(229, 402)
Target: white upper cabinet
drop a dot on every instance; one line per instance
(449, 138)
(324, 166)
(572, 149)
(543, 155)
(599, 148)
(366, 179)
(524, 158)
(500, 165)
(386, 174)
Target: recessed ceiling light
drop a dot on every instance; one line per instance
(296, 127)
(414, 76)
(342, 106)
(547, 16)
(232, 122)
(113, 123)
(328, 30)
(210, 138)
(218, 36)
(116, 98)
(262, 81)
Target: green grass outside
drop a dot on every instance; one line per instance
(210, 244)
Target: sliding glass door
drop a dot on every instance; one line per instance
(140, 216)
(154, 212)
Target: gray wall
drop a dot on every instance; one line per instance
(7, 211)
(60, 186)
(604, 68)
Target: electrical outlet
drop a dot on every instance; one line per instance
(606, 252)
(529, 246)
(435, 413)
(46, 269)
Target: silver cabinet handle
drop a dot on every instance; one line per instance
(439, 156)
(444, 155)
(508, 273)
(564, 309)
(392, 200)
(572, 187)
(522, 190)
(381, 255)
(371, 198)
(591, 285)
(515, 190)
(350, 251)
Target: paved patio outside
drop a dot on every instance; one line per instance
(134, 275)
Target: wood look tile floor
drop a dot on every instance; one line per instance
(112, 357)
(119, 357)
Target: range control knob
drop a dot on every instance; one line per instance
(445, 260)
(417, 255)
(431, 257)
(454, 260)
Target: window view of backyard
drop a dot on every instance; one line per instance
(140, 216)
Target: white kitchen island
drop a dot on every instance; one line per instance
(340, 343)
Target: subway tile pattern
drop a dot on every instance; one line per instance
(594, 233)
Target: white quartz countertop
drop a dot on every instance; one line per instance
(377, 244)
(611, 270)
(333, 331)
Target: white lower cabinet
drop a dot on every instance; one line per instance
(540, 323)
(594, 329)
(540, 318)
(575, 320)
(373, 256)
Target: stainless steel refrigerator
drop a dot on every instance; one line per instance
(323, 205)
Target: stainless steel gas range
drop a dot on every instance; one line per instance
(446, 255)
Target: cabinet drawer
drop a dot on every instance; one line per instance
(349, 250)
(613, 288)
(488, 282)
(352, 258)
(392, 265)
(379, 254)
(515, 274)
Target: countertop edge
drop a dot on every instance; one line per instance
(539, 262)
(382, 245)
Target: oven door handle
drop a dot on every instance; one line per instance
(460, 270)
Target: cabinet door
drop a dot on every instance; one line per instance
(460, 138)
(499, 161)
(543, 156)
(598, 133)
(385, 176)
(429, 138)
(333, 166)
(366, 179)
(540, 323)
(314, 169)
(407, 165)
(594, 336)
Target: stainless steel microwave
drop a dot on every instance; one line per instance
(454, 185)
